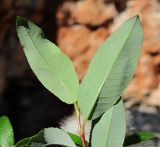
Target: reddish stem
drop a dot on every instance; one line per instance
(82, 135)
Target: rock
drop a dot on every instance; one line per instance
(142, 117)
(83, 27)
(89, 12)
(80, 32)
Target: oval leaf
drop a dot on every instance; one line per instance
(110, 130)
(51, 136)
(23, 142)
(6, 132)
(58, 137)
(38, 138)
(54, 69)
(110, 70)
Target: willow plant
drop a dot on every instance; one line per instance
(98, 97)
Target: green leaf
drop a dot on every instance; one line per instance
(54, 69)
(145, 135)
(33, 140)
(51, 136)
(77, 140)
(6, 132)
(111, 69)
(138, 137)
(110, 129)
(38, 138)
(58, 136)
(23, 142)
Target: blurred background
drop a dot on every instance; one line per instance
(78, 27)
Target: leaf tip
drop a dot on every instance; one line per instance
(136, 17)
(21, 21)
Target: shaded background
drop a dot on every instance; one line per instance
(78, 27)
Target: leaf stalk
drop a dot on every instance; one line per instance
(80, 126)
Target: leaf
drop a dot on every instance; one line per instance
(77, 140)
(139, 137)
(110, 129)
(6, 132)
(111, 69)
(58, 136)
(38, 138)
(51, 136)
(54, 69)
(23, 142)
(145, 135)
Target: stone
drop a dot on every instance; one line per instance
(89, 12)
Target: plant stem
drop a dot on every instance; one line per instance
(80, 126)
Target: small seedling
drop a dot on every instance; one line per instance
(98, 97)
